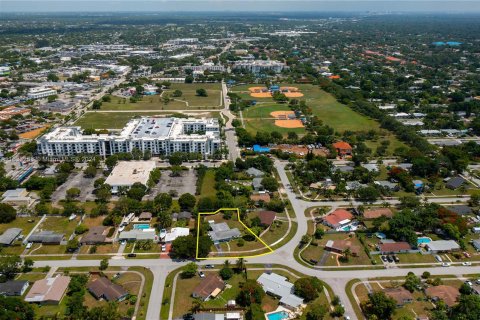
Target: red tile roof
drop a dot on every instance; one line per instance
(342, 145)
(338, 215)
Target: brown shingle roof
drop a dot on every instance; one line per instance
(102, 287)
(400, 294)
(448, 294)
(267, 217)
(378, 212)
(145, 216)
(341, 245)
(394, 247)
(208, 285)
(94, 235)
(48, 290)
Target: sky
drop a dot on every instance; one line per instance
(445, 6)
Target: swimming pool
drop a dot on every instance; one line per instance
(423, 240)
(281, 315)
(141, 226)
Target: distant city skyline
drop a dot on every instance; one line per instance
(445, 6)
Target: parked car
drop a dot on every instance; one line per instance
(446, 264)
(389, 258)
(396, 258)
(201, 274)
(209, 266)
(164, 248)
(467, 263)
(29, 245)
(131, 255)
(384, 259)
(438, 258)
(469, 283)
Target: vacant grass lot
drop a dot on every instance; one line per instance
(22, 223)
(188, 101)
(208, 184)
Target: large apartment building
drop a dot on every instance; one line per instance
(259, 66)
(41, 92)
(160, 136)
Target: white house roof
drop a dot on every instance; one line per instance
(175, 233)
(279, 286)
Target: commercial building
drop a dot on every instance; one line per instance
(260, 66)
(127, 173)
(160, 136)
(18, 197)
(41, 92)
(48, 291)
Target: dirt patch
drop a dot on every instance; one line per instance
(293, 94)
(32, 134)
(281, 115)
(289, 123)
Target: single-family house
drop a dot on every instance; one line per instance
(401, 295)
(49, 290)
(175, 233)
(387, 185)
(9, 236)
(260, 197)
(95, 235)
(455, 183)
(103, 288)
(257, 184)
(13, 287)
(184, 215)
(447, 294)
(339, 246)
(460, 210)
(476, 244)
(209, 287)
(442, 246)
(254, 172)
(267, 217)
(394, 247)
(343, 148)
(338, 218)
(280, 287)
(138, 234)
(47, 237)
(221, 232)
(377, 213)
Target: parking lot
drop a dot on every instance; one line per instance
(76, 180)
(186, 183)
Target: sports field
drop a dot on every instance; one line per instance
(117, 120)
(188, 101)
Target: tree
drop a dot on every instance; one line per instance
(52, 98)
(197, 305)
(9, 266)
(15, 308)
(177, 93)
(52, 77)
(379, 305)
(468, 308)
(7, 213)
(103, 264)
(187, 201)
(189, 270)
(97, 104)
(27, 265)
(250, 293)
(255, 312)
(185, 247)
(163, 202)
(90, 172)
(202, 92)
(368, 194)
(412, 282)
(175, 159)
(240, 265)
(270, 184)
(137, 191)
(72, 193)
(308, 288)
(226, 273)
(317, 312)
(72, 245)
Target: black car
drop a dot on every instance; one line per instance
(131, 255)
(384, 259)
(397, 260)
(389, 258)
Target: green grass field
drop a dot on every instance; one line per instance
(324, 106)
(117, 120)
(188, 101)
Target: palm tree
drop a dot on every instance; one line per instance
(197, 305)
(240, 265)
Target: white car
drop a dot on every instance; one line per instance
(29, 245)
(469, 283)
(121, 228)
(164, 248)
(163, 233)
(466, 263)
(445, 264)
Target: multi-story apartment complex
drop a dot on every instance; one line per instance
(160, 136)
(41, 92)
(259, 66)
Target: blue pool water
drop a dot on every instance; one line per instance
(278, 316)
(423, 240)
(141, 226)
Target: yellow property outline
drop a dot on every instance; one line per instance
(228, 257)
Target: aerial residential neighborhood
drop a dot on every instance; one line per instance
(222, 161)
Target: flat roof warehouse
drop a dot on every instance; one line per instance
(126, 173)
